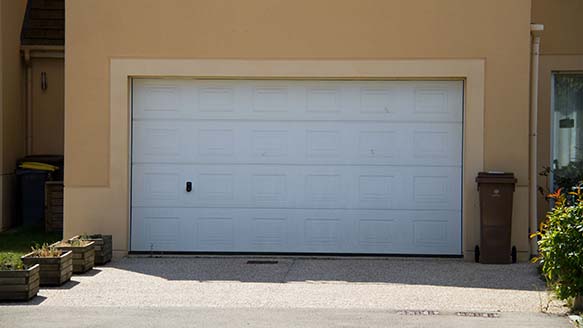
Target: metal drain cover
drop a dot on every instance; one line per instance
(262, 262)
(478, 314)
(418, 312)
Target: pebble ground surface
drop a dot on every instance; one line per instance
(340, 285)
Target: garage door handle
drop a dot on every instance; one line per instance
(188, 186)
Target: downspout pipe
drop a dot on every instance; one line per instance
(535, 31)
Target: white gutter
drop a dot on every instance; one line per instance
(536, 31)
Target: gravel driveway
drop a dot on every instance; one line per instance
(375, 284)
(384, 283)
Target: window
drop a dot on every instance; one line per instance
(567, 119)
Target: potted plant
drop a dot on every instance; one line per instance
(56, 266)
(18, 282)
(102, 246)
(83, 253)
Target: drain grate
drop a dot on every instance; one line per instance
(418, 312)
(262, 262)
(478, 314)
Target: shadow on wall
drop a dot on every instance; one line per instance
(436, 272)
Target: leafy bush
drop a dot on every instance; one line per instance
(9, 261)
(561, 245)
(565, 177)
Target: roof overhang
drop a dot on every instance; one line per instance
(41, 51)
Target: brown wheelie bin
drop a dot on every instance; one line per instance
(496, 196)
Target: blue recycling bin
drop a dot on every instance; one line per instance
(31, 184)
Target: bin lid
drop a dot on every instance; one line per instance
(56, 160)
(495, 177)
(38, 166)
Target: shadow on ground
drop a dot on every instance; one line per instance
(90, 273)
(68, 285)
(436, 272)
(37, 300)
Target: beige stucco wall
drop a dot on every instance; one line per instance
(496, 31)
(48, 107)
(561, 50)
(563, 25)
(11, 103)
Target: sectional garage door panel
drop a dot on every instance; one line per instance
(297, 186)
(433, 101)
(296, 231)
(298, 142)
(297, 166)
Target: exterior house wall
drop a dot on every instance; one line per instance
(48, 107)
(561, 50)
(11, 103)
(98, 31)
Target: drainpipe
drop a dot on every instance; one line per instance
(28, 127)
(536, 31)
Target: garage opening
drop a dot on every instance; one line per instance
(297, 166)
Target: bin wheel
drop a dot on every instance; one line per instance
(477, 254)
(513, 254)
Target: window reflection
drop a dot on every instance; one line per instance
(567, 119)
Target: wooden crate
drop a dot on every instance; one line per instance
(54, 271)
(19, 285)
(103, 247)
(83, 257)
(54, 206)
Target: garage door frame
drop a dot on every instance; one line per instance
(470, 70)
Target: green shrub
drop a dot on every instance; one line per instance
(10, 261)
(561, 245)
(565, 177)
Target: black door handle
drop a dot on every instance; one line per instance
(188, 186)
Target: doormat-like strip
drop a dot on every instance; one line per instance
(478, 314)
(418, 312)
(262, 262)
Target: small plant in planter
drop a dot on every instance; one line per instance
(561, 247)
(102, 246)
(83, 253)
(56, 266)
(18, 282)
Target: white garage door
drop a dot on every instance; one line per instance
(297, 166)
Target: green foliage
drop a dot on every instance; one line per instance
(73, 243)
(561, 245)
(84, 237)
(18, 241)
(90, 237)
(46, 251)
(10, 261)
(565, 178)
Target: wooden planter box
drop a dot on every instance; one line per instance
(103, 247)
(19, 285)
(83, 257)
(54, 271)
